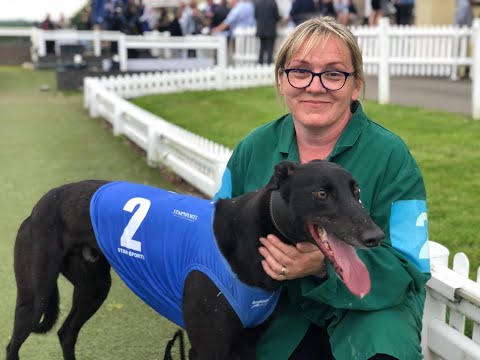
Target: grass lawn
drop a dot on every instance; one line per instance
(445, 145)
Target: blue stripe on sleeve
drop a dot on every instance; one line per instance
(409, 231)
(225, 191)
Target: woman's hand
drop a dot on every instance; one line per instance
(283, 261)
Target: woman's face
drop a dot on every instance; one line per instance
(315, 107)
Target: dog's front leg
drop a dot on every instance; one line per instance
(213, 327)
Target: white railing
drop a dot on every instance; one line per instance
(450, 291)
(153, 41)
(12, 31)
(160, 41)
(199, 161)
(411, 50)
(72, 36)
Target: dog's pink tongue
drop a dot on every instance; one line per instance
(354, 272)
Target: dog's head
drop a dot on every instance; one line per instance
(319, 202)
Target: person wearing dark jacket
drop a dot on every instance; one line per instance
(267, 16)
(302, 10)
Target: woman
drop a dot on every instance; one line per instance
(320, 76)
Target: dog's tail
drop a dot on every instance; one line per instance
(50, 315)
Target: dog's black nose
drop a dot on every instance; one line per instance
(372, 238)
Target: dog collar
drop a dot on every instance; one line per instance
(280, 215)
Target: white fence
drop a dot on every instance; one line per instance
(160, 41)
(451, 292)
(411, 50)
(153, 41)
(201, 162)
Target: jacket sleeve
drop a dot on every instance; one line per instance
(397, 267)
(233, 179)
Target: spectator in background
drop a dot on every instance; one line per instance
(197, 19)
(133, 12)
(266, 16)
(47, 24)
(83, 20)
(185, 19)
(341, 11)
(302, 10)
(328, 9)
(242, 14)
(149, 18)
(209, 12)
(220, 13)
(174, 27)
(377, 12)
(62, 22)
(163, 21)
(404, 13)
(463, 13)
(352, 12)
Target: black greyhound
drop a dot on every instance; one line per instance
(316, 202)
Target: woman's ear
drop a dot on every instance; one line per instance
(357, 89)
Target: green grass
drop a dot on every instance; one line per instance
(47, 139)
(445, 145)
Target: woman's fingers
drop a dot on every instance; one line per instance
(306, 247)
(284, 261)
(282, 253)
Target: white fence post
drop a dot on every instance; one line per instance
(476, 327)
(34, 44)
(152, 155)
(461, 266)
(97, 45)
(434, 309)
(42, 47)
(222, 52)
(122, 52)
(476, 70)
(383, 66)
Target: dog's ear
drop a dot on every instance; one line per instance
(281, 173)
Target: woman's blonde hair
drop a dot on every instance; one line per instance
(313, 31)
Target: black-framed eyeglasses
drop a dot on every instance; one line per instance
(331, 79)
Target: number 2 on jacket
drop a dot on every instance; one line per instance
(126, 239)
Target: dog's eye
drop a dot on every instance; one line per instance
(356, 192)
(321, 194)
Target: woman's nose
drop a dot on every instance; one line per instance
(316, 85)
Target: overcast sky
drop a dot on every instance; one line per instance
(35, 10)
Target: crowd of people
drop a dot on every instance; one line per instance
(222, 17)
(134, 18)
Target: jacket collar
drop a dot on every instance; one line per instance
(287, 143)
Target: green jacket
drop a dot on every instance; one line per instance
(392, 192)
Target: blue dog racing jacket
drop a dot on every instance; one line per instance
(153, 238)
